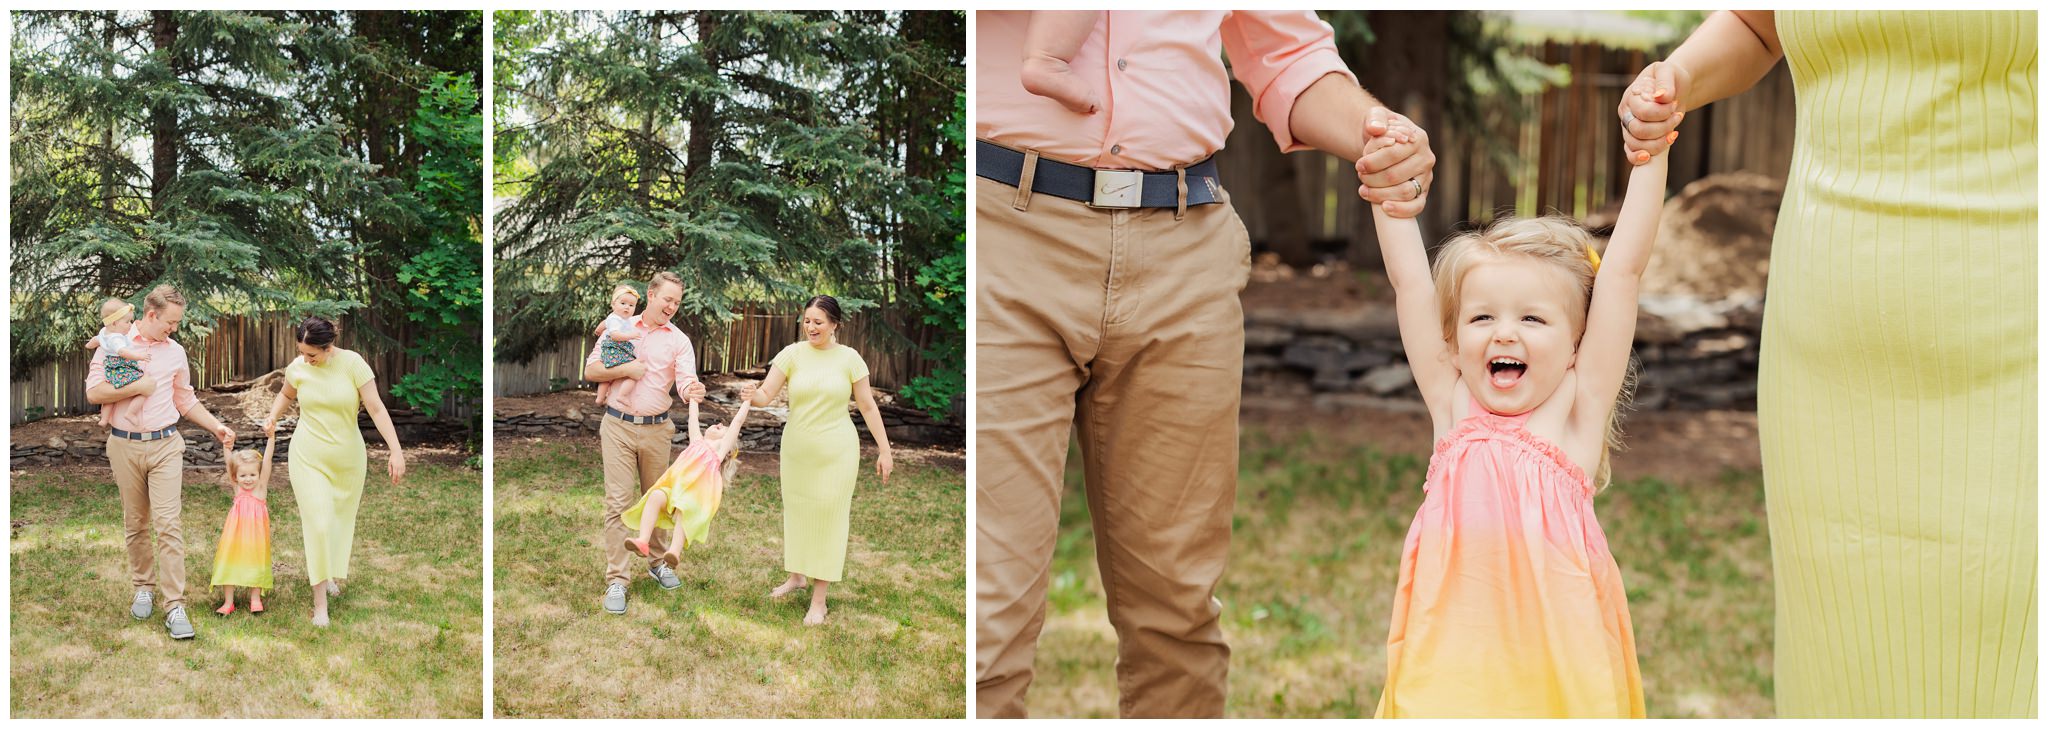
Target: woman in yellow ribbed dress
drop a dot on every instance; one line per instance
(1896, 393)
(820, 450)
(327, 458)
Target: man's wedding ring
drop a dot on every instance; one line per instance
(1627, 118)
(1417, 182)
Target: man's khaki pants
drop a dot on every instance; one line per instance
(634, 457)
(151, 478)
(1127, 325)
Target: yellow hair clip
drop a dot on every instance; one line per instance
(1594, 257)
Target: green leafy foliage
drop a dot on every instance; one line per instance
(443, 282)
(942, 284)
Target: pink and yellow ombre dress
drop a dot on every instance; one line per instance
(1509, 604)
(242, 557)
(695, 486)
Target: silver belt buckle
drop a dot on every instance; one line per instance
(1118, 189)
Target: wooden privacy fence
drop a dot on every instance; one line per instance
(239, 348)
(747, 342)
(1569, 158)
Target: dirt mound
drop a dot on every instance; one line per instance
(1715, 238)
(1274, 285)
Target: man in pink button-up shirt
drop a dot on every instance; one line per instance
(636, 434)
(1108, 300)
(148, 463)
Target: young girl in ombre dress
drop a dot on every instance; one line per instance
(1508, 602)
(242, 557)
(688, 493)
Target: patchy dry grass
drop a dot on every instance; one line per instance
(894, 645)
(406, 641)
(1322, 516)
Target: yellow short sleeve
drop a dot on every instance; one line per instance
(785, 360)
(856, 366)
(359, 371)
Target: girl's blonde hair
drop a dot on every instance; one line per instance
(731, 466)
(1550, 239)
(247, 458)
(623, 289)
(111, 305)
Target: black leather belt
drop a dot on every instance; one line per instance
(1100, 188)
(636, 419)
(149, 436)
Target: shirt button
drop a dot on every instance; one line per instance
(1116, 149)
(1121, 64)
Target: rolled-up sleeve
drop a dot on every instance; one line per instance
(1277, 54)
(595, 354)
(686, 366)
(182, 395)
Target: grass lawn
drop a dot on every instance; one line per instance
(407, 632)
(1320, 521)
(894, 645)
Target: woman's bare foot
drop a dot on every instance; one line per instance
(320, 603)
(1053, 79)
(817, 614)
(794, 583)
(637, 545)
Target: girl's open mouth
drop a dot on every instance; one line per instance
(1504, 372)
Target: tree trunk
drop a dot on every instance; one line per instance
(643, 191)
(108, 188)
(163, 118)
(376, 109)
(703, 113)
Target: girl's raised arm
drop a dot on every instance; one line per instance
(1415, 306)
(1611, 320)
(696, 431)
(731, 441)
(263, 476)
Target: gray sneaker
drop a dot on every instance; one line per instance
(667, 577)
(180, 628)
(143, 605)
(615, 598)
